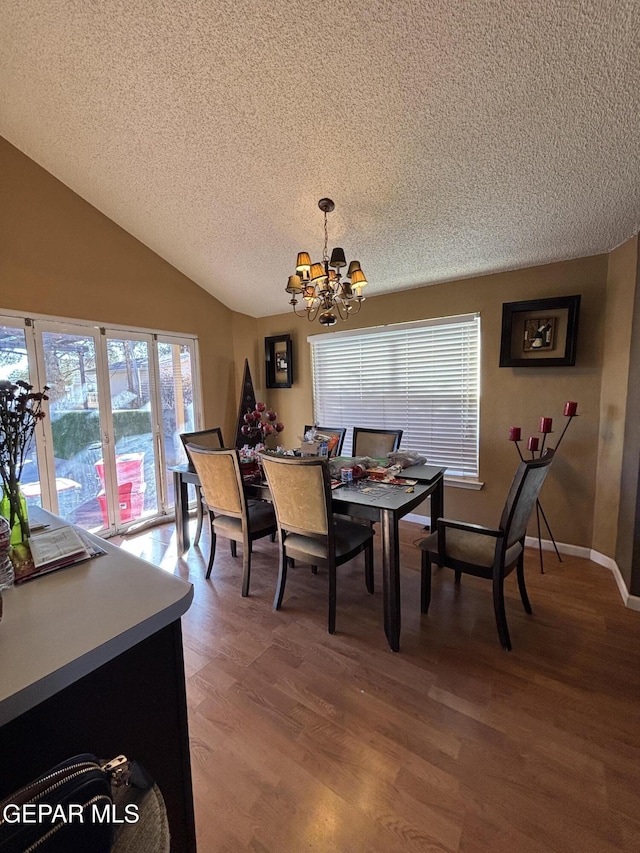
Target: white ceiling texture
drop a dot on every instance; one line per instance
(456, 137)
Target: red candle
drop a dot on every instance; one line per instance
(545, 424)
(570, 409)
(514, 433)
(532, 444)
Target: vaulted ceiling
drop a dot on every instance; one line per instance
(456, 137)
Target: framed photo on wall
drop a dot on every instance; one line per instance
(540, 332)
(278, 359)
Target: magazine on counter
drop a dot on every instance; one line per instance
(52, 549)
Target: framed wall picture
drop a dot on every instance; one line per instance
(540, 332)
(278, 359)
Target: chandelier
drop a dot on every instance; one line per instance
(325, 294)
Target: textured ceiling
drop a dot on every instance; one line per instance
(456, 137)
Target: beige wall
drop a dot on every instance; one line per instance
(627, 553)
(510, 396)
(618, 319)
(61, 256)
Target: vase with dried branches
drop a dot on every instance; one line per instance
(20, 411)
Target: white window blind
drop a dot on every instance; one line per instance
(420, 377)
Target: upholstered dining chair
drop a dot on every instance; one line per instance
(308, 532)
(229, 512)
(211, 438)
(336, 450)
(491, 553)
(375, 442)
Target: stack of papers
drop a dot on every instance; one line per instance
(50, 550)
(57, 547)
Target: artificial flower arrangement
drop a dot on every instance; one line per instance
(261, 423)
(20, 411)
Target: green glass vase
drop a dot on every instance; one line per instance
(13, 507)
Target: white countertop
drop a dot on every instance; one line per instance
(59, 627)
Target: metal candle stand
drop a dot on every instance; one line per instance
(570, 412)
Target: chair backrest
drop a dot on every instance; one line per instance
(220, 479)
(301, 492)
(340, 432)
(524, 491)
(375, 442)
(211, 438)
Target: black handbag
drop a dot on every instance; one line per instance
(70, 809)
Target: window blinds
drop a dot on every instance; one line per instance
(421, 377)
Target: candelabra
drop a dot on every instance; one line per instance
(535, 446)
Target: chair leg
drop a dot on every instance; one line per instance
(501, 617)
(234, 547)
(282, 579)
(332, 598)
(521, 584)
(425, 583)
(314, 570)
(458, 575)
(368, 568)
(212, 554)
(199, 517)
(246, 565)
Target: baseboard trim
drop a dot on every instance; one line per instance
(424, 520)
(630, 601)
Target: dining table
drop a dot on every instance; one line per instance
(385, 503)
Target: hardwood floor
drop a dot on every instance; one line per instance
(302, 741)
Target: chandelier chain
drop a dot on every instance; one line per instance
(325, 254)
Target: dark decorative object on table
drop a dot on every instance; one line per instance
(247, 404)
(535, 446)
(20, 411)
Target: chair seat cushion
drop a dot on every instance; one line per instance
(469, 547)
(261, 517)
(349, 536)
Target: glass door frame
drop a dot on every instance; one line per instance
(196, 390)
(40, 327)
(33, 326)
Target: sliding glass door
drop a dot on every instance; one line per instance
(177, 383)
(118, 401)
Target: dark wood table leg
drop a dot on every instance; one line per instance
(391, 578)
(437, 503)
(181, 498)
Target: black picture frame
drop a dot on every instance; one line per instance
(517, 317)
(278, 360)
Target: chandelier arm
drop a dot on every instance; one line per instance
(312, 311)
(305, 311)
(341, 308)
